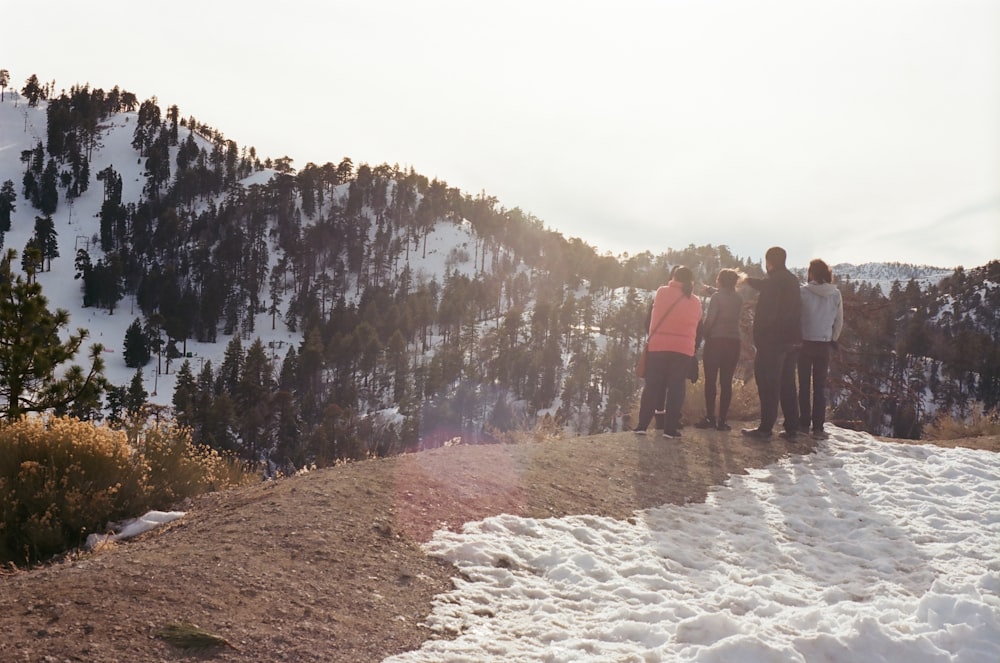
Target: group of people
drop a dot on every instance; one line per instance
(795, 327)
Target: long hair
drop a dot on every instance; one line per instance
(685, 277)
(820, 272)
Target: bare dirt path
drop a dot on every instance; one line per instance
(328, 566)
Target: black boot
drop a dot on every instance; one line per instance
(707, 422)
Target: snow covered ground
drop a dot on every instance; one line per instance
(862, 551)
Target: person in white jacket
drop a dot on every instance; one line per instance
(822, 322)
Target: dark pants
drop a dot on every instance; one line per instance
(814, 364)
(774, 370)
(665, 375)
(720, 358)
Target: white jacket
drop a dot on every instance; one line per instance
(822, 312)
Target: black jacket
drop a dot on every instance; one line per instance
(777, 320)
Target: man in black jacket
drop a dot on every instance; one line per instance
(777, 335)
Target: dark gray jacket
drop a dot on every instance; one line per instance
(777, 321)
(723, 317)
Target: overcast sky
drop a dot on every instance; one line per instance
(853, 130)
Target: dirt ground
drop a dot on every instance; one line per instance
(327, 566)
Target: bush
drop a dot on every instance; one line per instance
(977, 424)
(175, 468)
(62, 479)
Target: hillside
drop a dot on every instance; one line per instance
(337, 311)
(885, 274)
(327, 566)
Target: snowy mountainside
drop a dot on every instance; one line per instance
(499, 320)
(971, 298)
(884, 274)
(77, 223)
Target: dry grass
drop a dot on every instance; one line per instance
(62, 479)
(977, 424)
(745, 405)
(545, 430)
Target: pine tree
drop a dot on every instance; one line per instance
(48, 193)
(185, 393)
(46, 238)
(85, 272)
(256, 379)
(31, 259)
(398, 364)
(135, 396)
(115, 398)
(136, 350)
(108, 282)
(287, 430)
(32, 350)
(219, 425)
(256, 382)
(204, 396)
(289, 370)
(8, 196)
(275, 285)
(228, 377)
(33, 90)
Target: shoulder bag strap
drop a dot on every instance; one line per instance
(662, 318)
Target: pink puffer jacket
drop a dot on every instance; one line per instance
(677, 332)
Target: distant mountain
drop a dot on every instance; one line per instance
(883, 274)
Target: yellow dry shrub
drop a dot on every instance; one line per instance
(546, 429)
(62, 479)
(977, 424)
(177, 468)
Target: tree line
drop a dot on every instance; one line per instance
(522, 322)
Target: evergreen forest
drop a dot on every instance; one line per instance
(519, 328)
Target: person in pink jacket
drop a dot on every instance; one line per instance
(673, 327)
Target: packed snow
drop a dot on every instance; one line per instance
(861, 551)
(134, 527)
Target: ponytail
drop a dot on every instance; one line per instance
(685, 277)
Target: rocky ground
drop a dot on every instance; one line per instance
(328, 566)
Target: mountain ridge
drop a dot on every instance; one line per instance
(447, 312)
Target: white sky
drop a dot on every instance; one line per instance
(863, 551)
(853, 130)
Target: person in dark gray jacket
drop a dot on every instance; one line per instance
(721, 329)
(777, 335)
(822, 322)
